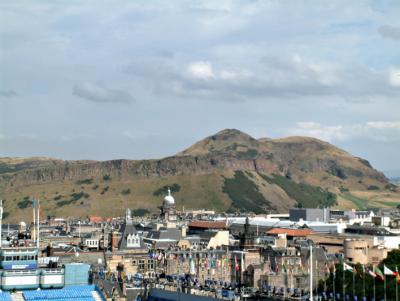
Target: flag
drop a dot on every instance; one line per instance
(397, 276)
(283, 269)
(379, 273)
(372, 273)
(346, 267)
(334, 270)
(388, 271)
(236, 264)
(212, 262)
(192, 268)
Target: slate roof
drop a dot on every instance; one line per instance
(129, 228)
(165, 233)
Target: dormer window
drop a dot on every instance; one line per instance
(133, 241)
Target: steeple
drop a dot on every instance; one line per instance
(128, 216)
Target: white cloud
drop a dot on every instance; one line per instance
(383, 125)
(372, 130)
(394, 77)
(327, 133)
(202, 70)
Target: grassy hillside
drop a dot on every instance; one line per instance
(306, 195)
(245, 194)
(229, 170)
(111, 197)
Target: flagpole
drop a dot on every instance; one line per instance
(374, 290)
(311, 273)
(384, 283)
(396, 284)
(38, 224)
(334, 282)
(344, 278)
(363, 268)
(34, 221)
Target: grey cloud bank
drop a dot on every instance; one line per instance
(95, 80)
(390, 32)
(99, 93)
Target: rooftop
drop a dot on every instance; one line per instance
(291, 232)
(208, 224)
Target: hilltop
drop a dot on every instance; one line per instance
(229, 170)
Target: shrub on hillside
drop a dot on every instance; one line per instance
(84, 182)
(164, 190)
(307, 196)
(245, 195)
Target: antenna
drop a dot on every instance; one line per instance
(38, 224)
(311, 273)
(34, 220)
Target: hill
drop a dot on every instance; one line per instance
(226, 171)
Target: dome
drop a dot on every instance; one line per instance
(169, 199)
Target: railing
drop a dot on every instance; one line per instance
(20, 272)
(52, 271)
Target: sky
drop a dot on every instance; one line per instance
(105, 80)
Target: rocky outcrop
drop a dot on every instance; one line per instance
(226, 150)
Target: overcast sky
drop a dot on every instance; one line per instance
(146, 79)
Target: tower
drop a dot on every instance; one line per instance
(168, 208)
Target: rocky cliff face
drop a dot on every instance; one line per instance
(298, 158)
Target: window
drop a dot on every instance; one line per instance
(150, 264)
(141, 264)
